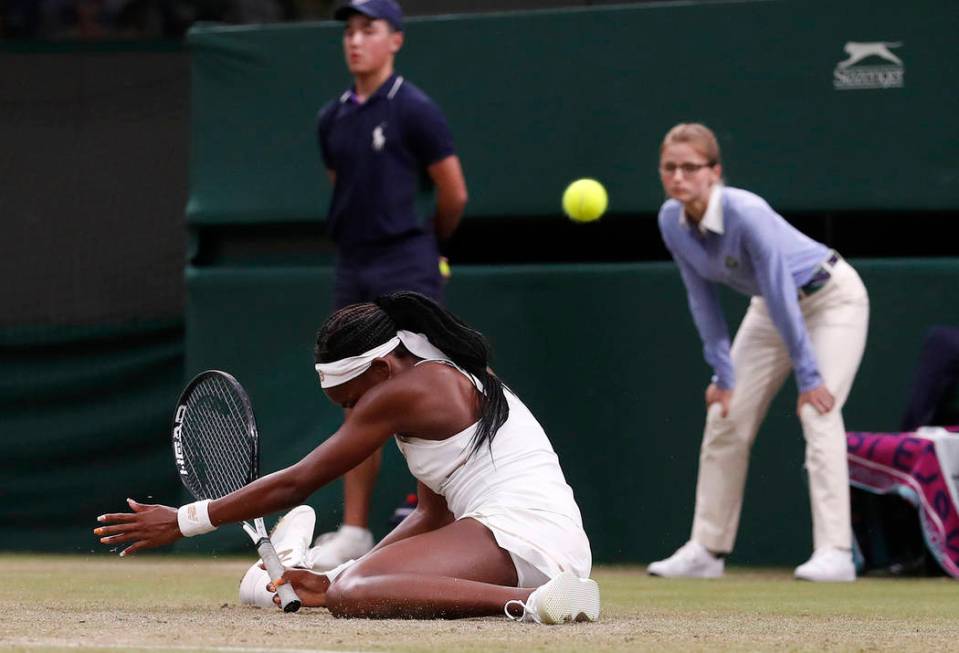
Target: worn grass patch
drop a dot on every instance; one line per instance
(156, 603)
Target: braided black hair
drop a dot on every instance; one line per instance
(357, 328)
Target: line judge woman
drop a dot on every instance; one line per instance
(808, 313)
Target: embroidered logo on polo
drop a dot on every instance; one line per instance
(379, 138)
(731, 263)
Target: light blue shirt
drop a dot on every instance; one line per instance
(742, 243)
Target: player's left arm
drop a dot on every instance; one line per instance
(431, 512)
(451, 194)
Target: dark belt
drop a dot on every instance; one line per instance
(820, 277)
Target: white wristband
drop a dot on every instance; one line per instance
(194, 518)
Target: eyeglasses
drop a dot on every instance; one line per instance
(685, 168)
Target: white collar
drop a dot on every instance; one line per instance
(713, 218)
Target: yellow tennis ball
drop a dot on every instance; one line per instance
(585, 200)
(445, 270)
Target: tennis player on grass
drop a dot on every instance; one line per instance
(496, 527)
(809, 311)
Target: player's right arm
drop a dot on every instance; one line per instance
(150, 526)
(432, 401)
(367, 429)
(385, 410)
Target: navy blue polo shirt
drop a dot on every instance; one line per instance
(380, 150)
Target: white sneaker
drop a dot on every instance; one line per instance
(292, 535)
(691, 560)
(565, 598)
(828, 564)
(291, 538)
(336, 547)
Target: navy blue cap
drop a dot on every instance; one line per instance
(388, 10)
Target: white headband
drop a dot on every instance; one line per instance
(345, 369)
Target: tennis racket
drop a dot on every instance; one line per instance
(216, 447)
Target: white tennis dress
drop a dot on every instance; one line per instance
(517, 490)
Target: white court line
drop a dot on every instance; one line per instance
(53, 643)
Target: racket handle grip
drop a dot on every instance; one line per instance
(289, 601)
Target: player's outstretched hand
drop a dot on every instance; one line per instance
(148, 526)
(310, 586)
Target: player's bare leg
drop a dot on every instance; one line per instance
(466, 574)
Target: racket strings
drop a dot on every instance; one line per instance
(217, 470)
(219, 440)
(234, 426)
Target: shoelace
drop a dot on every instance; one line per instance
(520, 604)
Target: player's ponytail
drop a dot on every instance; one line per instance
(361, 327)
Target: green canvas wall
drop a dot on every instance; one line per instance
(85, 422)
(606, 357)
(537, 99)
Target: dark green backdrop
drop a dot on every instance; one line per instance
(537, 99)
(606, 357)
(84, 415)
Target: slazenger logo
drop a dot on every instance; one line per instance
(851, 74)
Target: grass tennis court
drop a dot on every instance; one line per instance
(157, 603)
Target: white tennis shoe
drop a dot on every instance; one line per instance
(292, 535)
(336, 547)
(291, 538)
(691, 560)
(565, 598)
(828, 565)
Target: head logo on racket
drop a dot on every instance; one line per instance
(178, 440)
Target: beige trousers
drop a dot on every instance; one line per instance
(836, 318)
